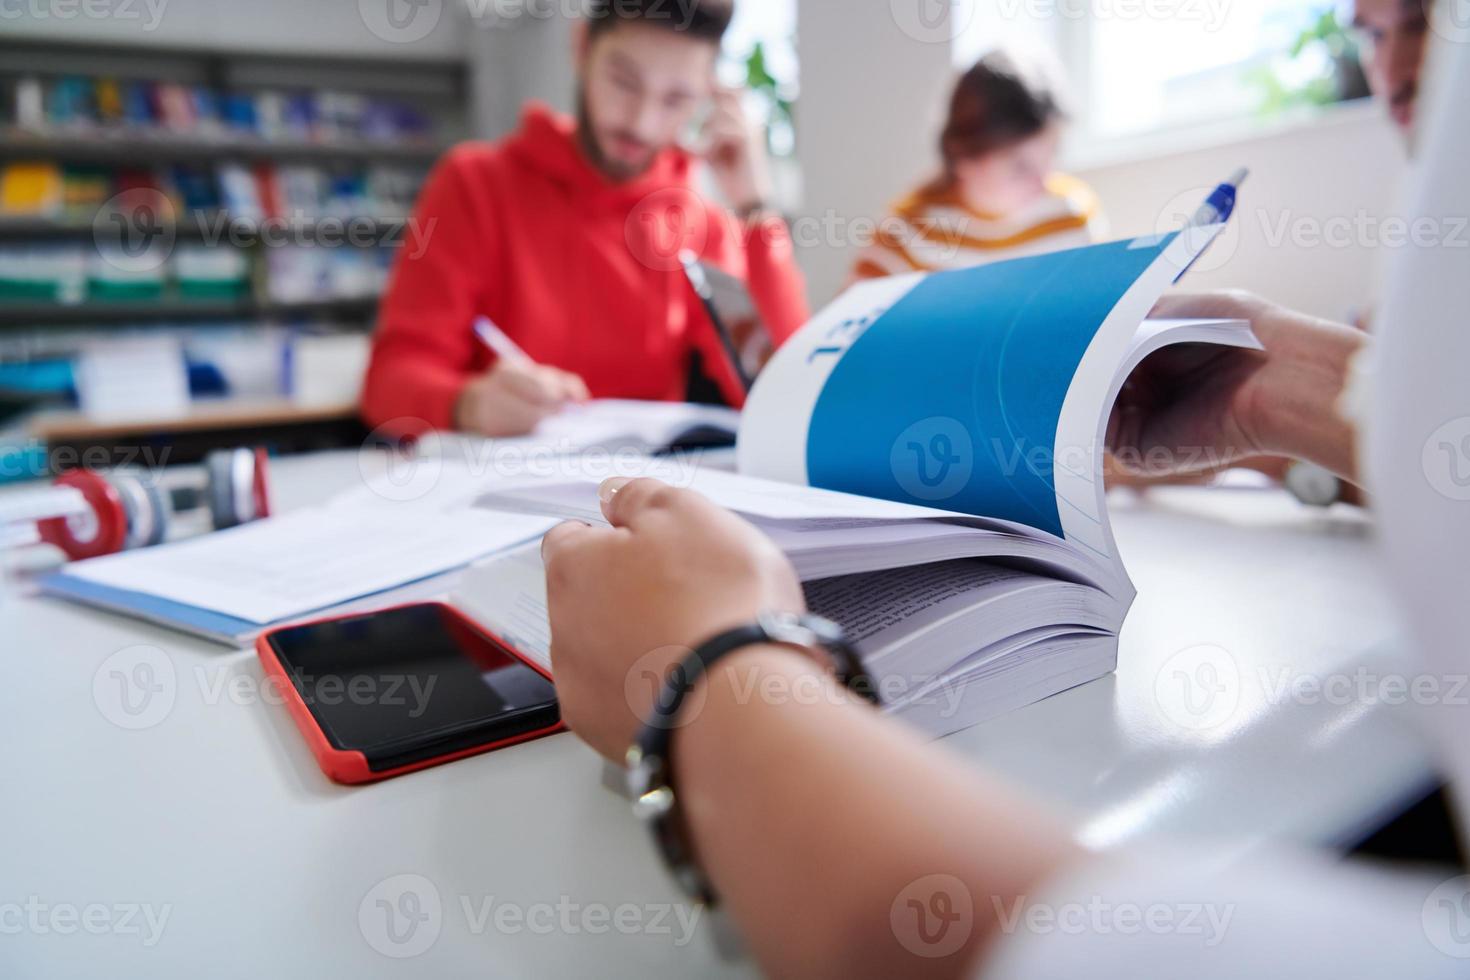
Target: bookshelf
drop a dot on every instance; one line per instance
(337, 310)
(142, 148)
(202, 126)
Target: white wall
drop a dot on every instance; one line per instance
(1310, 217)
(512, 62)
(869, 115)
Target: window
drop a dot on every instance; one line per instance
(1150, 75)
(771, 24)
(760, 54)
(1132, 71)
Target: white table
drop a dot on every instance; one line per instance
(217, 814)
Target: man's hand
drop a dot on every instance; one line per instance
(735, 149)
(1195, 407)
(627, 602)
(513, 397)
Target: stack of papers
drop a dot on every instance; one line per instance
(400, 536)
(232, 585)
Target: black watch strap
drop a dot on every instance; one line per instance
(649, 770)
(780, 629)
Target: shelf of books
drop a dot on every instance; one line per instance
(214, 197)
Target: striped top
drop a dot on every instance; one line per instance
(931, 230)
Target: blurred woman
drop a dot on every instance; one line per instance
(998, 195)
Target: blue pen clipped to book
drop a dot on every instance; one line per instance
(1216, 210)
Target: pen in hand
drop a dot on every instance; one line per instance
(516, 393)
(499, 341)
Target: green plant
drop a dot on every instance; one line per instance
(1319, 68)
(781, 110)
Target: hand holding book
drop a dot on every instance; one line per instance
(628, 602)
(1195, 407)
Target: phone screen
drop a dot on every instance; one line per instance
(411, 684)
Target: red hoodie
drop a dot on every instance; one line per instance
(580, 271)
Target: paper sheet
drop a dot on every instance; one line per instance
(611, 421)
(289, 565)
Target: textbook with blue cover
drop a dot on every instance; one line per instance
(928, 453)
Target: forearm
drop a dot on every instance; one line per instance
(813, 814)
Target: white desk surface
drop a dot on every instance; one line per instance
(218, 814)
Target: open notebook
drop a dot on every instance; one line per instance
(927, 453)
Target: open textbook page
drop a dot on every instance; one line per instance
(824, 532)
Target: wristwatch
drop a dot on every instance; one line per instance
(1313, 485)
(649, 770)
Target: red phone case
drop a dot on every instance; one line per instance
(349, 765)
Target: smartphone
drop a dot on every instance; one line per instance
(385, 693)
(732, 311)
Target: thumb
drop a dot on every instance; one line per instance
(631, 503)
